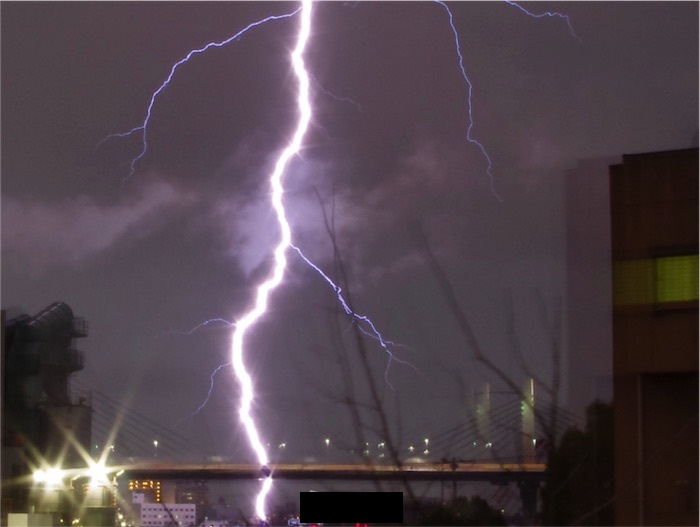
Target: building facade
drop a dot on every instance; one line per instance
(168, 514)
(155, 503)
(149, 489)
(654, 240)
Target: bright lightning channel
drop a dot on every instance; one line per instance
(280, 261)
(265, 288)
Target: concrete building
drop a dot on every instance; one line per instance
(146, 513)
(155, 503)
(168, 514)
(654, 239)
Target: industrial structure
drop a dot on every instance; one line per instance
(654, 233)
(39, 413)
(46, 429)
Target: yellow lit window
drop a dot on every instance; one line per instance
(676, 278)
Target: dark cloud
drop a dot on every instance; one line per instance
(38, 235)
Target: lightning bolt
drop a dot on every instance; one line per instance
(280, 261)
(216, 370)
(201, 325)
(367, 326)
(336, 97)
(470, 86)
(470, 89)
(206, 399)
(274, 279)
(266, 287)
(143, 127)
(547, 14)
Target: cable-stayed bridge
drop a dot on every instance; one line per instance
(504, 434)
(489, 443)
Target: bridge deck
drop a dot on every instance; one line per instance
(494, 472)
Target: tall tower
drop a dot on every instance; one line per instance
(42, 424)
(527, 414)
(482, 409)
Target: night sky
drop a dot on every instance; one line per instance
(146, 258)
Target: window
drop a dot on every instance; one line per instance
(676, 279)
(667, 281)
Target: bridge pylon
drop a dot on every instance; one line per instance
(481, 410)
(527, 416)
